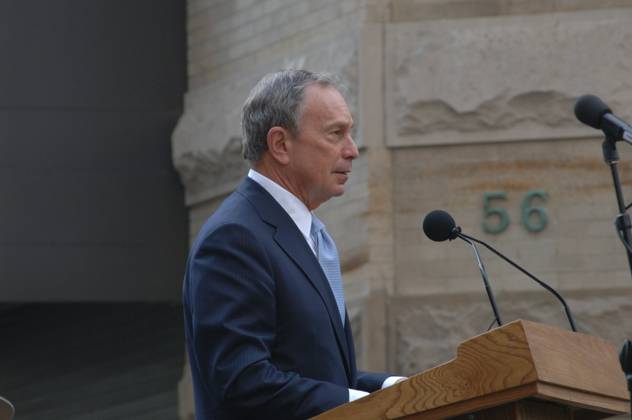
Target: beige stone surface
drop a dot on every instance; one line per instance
(426, 330)
(236, 38)
(201, 212)
(420, 10)
(503, 78)
(578, 243)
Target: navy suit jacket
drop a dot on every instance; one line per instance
(264, 335)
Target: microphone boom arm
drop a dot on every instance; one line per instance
(541, 283)
(481, 267)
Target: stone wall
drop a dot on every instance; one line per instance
(578, 249)
(482, 102)
(452, 99)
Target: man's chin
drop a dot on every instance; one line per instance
(339, 191)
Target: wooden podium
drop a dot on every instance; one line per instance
(522, 370)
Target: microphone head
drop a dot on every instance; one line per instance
(589, 109)
(438, 225)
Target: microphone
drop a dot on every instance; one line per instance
(592, 111)
(439, 226)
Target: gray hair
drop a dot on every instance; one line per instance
(276, 101)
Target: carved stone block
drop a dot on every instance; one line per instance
(504, 78)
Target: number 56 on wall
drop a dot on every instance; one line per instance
(534, 219)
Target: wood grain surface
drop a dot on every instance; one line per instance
(519, 360)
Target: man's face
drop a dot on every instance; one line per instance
(322, 149)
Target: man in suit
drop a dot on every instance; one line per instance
(267, 332)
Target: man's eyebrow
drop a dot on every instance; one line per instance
(339, 123)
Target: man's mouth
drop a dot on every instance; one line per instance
(344, 175)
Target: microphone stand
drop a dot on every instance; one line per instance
(624, 231)
(481, 267)
(623, 224)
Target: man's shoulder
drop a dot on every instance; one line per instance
(242, 209)
(236, 209)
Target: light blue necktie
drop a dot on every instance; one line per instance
(328, 258)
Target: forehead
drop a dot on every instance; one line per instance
(324, 104)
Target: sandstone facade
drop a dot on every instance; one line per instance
(452, 100)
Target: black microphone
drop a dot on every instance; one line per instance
(592, 111)
(441, 226)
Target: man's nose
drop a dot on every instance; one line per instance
(351, 149)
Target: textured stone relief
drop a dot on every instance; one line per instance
(207, 171)
(207, 140)
(503, 112)
(428, 330)
(506, 78)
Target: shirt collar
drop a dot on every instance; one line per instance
(294, 207)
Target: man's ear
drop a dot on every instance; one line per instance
(278, 144)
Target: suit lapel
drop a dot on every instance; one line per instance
(293, 243)
(308, 263)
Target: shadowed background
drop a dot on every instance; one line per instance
(93, 227)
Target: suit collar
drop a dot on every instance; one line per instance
(293, 206)
(291, 240)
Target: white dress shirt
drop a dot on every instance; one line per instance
(295, 208)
